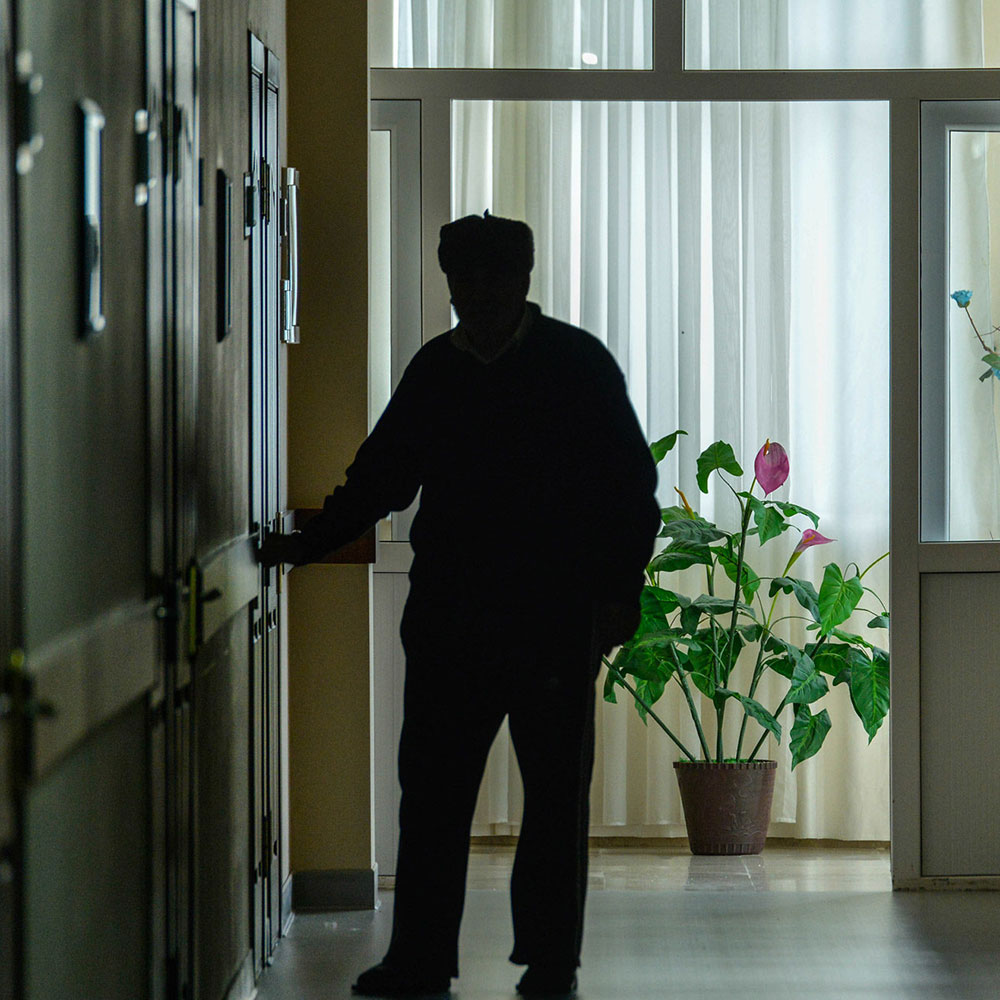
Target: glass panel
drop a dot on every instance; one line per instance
(734, 258)
(841, 34)
(512, 34)
(973, 384)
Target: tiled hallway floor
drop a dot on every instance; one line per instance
(793, 923)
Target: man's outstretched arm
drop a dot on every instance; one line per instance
(384, 476)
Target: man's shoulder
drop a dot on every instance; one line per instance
(573, 343)
(428, 356)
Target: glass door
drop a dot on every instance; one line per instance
(958, 555)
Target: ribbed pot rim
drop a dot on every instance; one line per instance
(746, 765)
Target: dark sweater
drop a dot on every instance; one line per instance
(537, 484)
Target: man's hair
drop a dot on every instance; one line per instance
(486, 241)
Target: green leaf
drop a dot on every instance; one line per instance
(854, 640)
(750, 581)
(993, 360)
(609, 687)
(808, 684)
(706, 605)
(649, 692)
(664, 445)
(783, 665)
(675, 513)
(680, 555)
(870, 690)
(804, 591)
(690, 616)
(879, 621)
(837, 597)
(769, 521)
(844, 677)
(656, 603)
(791, 509)
(715, 457)
(688, 530)
(830, 657)
(704, 680)
(642, 660)
(784, 662)
(751, 633)
(756, 711)
(808, 733)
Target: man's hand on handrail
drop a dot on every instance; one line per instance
(278, 548)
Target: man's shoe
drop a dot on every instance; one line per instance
(386, 981)
(544, 981)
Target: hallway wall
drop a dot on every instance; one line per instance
(329, 657)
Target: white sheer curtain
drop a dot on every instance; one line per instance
(735, 260)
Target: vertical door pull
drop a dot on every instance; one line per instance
(249, 204)
(290, 286)
(224, 254)
(144, 135)
(28, 86)
(92, 319)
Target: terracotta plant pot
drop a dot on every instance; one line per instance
(726, 806)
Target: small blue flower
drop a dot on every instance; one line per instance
(963, 297)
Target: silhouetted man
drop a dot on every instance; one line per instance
(537, 517)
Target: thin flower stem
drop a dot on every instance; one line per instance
(976, 328)
(682, 679)
(649, 711)
(877, 561)
(732, 624)
(757, 671)
(753, 687)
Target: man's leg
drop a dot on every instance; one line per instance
(552, 727)
(449, 724)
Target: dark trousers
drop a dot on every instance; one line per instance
(457, 693)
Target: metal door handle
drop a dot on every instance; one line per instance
(92, 319)
(290, 286)
(224, 254)
(28, 86)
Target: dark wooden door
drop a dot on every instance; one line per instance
(90, 633)
(227, 581)
(11, 725)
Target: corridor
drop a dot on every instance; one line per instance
(792, 923)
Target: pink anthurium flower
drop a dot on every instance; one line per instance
(771, 466)
(811, 537)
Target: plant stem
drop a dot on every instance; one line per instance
(757, 672)
(682, 679)
(649, 711)
(976, 328)
(877, 561)
(763, 735)
(720, 710)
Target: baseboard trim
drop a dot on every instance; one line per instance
(335, 890)
(287, 915)
(242, 986)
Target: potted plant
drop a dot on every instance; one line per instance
(695, 643)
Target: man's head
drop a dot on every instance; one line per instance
(488, 262)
